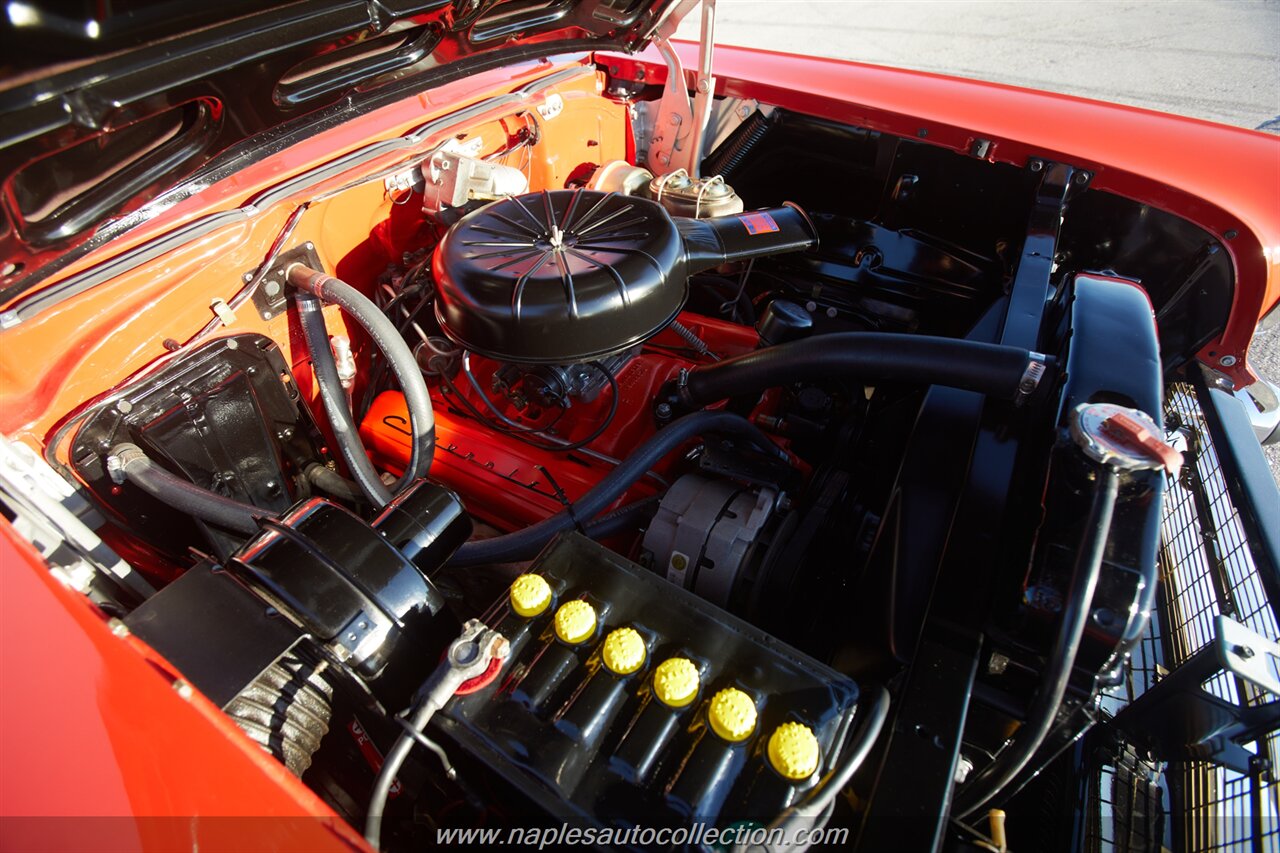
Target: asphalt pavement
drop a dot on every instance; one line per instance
(1218, 61)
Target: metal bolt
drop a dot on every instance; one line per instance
(124, 407)
(675, 118)
(996, 665)
(744, 110)
(118, 628)
(665, 159)
(309, 245)
(271, 287)
(963, 768)
(184, 689)
(266, 315)
(1082, 178)
(1243, 652)
(1227, 361)
(1036, 165)
(233, 344)
(464, 653)
(664, 410)
(704, 86)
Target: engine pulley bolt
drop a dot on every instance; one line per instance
(732, 715)
(675, 682)
(575, 622)
(624, 651)
(794, 751)
(530, 595)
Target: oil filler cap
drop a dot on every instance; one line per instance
(732, 715)
(575, 622)
(675, 682)
(793, 751)
(624, 651)
(530, 595)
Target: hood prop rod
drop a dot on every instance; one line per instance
(679, 130)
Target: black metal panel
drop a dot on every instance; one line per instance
(218, 634)
(227, 416)
(1030, 291)
(911, 803)
(1183, 268)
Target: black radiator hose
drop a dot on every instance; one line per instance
(345, 432)
(524, 544)
(312, 284)
(137, 468)
(874, 357)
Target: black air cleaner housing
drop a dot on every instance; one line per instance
(567, 276)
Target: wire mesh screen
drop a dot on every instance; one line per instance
(1206, 569)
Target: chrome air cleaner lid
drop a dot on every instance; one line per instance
(559, 277)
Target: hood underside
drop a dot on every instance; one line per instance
(105, 107)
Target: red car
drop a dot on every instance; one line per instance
(489, 422)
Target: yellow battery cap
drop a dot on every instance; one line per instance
(624, 651)
(793, 751)
(732, 715)
(530, 595)
(675, 682)
(575, 621)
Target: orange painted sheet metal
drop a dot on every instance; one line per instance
(103, 751)
(498, 477)
(63, 356)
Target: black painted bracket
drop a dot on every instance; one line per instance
(1179, 719)
(1030, 289)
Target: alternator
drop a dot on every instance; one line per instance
(705, 533)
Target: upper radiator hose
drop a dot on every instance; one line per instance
(992, 369)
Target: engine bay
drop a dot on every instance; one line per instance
(818, 484)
